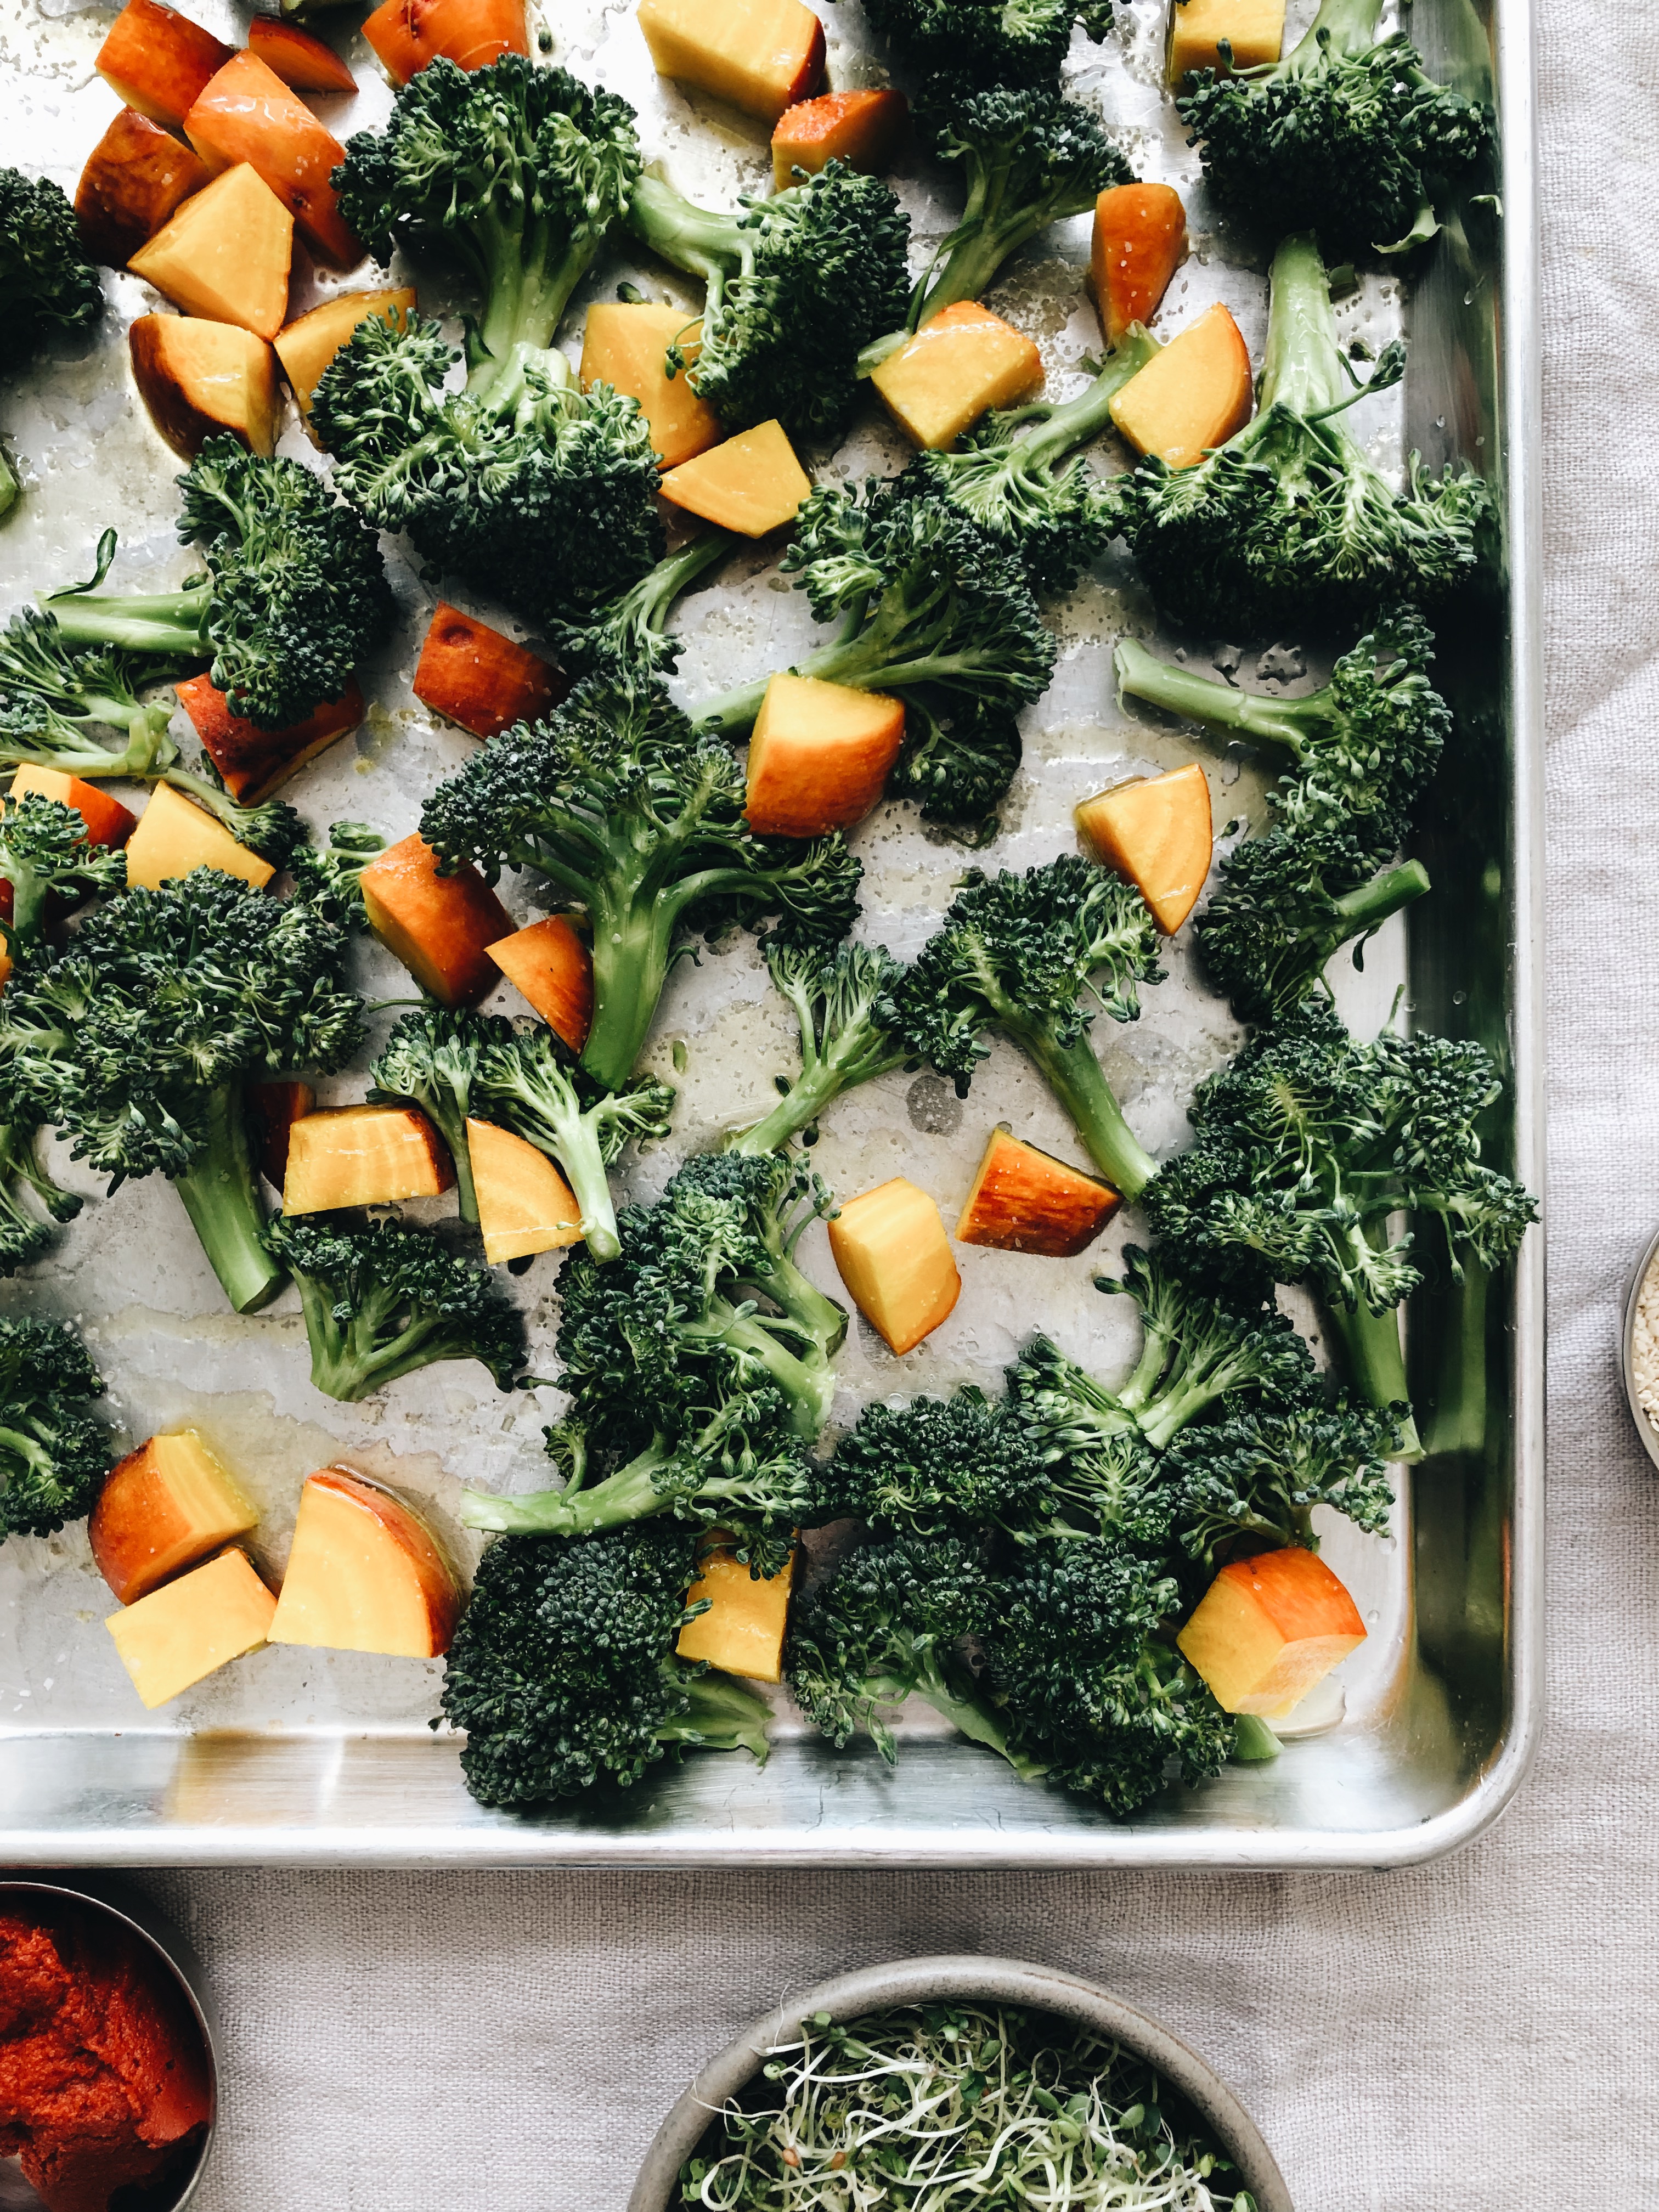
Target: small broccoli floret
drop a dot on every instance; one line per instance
(47, 283)
(1090, 1688)
(1308, 1144)
(382, 1301)
(939, 1464)
(632, 814)
(44, 853)
(1022, 955)
(563, 1673)
(988, 42)
(431, 1058)
(798, 283)
(1260, 1475)
(628, 635)
(330, 877)
(1029, 159)
(294, 598)
(1289, 523)
(23, 1238)
(886, 1628)
(52, 696)
(137, 1039)
(53, 1456)
(1347, 135)
(930, 608)
(844, 1041)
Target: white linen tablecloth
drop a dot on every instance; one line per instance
(1476, 2036)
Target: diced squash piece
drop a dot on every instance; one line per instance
(1157, 832)
(525, 1204)
(365, 1573)
(363, 1155)
(959, 364)
(473, 675)
(162, 1508)
(303, 61)
(1267, 1629)
(892, 1253)
(550, 965)
(225, 254)
(174, 836)
(254, 761)
(188, 1629)
(107, 822)
(626, 345)
(246, 113)
(1139, 241)
(272, 1109)
(1026, 1200)
(158, 61)
(440, 928)
(742, 1631)
(761, 55)
(819, 756)
(1191, 396)
(406, 35)
(198, 379)
(135, 177)
(311, 341)
(1252, 30)
(863, 129)
(751, 484)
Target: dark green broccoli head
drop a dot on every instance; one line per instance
(53, 1456)
(988, 42)
(46, 283)
(563, 1672)
(1057, 520)
(24, 1237)
(939, 1464)
(44, 853)
(1258, 1475)
(1347, 135)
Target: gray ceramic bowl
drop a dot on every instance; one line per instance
(1644, 1428)
(999, 1981)
(175, 1956)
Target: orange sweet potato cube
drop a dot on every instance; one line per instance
(162, 1508)
(551, 966)
(1139, 241)
(439, 926)
(189, 1628)
(312, 340)
(246, 113)
(301, 60)
(470, 674)
(742, 1631)
(963, 362)
(363, 1155)
(1253, 31)
(406, 35)
(752, 483)
(819, 756)
(158, 61)
(198, 379)
(365, 1573)
(1026, 1200)
(525, 1204)
(1157, 830)
(107, 822)
(1192, 395)
(863, 129)
(1267, 1629)
(135, 177)
(174, 837)
(891, 1248)
(254, 761)
(272, 1109)
(625, 344)
(226, 253)
(763, 56)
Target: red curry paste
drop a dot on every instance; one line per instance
(103, 2077)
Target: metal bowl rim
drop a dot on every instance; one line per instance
(1644, 1427)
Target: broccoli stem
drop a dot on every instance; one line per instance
(972, 1716)
(528, 284)
(1076, 1079)
(1302, 366)
(806, 1380)
(349, 1360)
(1277, 722)
(1457, 1421)
(987, 236)
(1340, 27)
(1376, 1362)
(1370, 906)
(857, 1055)
(570, 1137)
(10, 489)
(697, 240)
(221, 1197)
(172, 625)
(1060, 431)
(724, 1715)
(630, 1494)
(633, 943)
(862, 662)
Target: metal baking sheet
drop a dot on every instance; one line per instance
(315, 1758)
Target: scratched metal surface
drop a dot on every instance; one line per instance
(314, 1757)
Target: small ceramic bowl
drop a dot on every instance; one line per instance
(991, 1981)
(1644, 1427)
(95, 1895)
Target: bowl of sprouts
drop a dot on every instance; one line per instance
(958, 2085)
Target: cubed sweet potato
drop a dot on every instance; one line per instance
(272, 1109)
(471, 675)
(363, 1155)
(246, 113)
(891, 1251)
(551, 966)
(1252, 30)
(963, 362)
(226, 253)
(174, 837)
(407, 34)
(158, 61)
(1026, 1200)
(1139, 241)
(863, 129)
(301, 59)
(751, 484)
(136, 176)
(440, 928)
(763, 56)
(107, 822)
(1192, 396)
(819, 756)
(198, 379)
(1157, 830)
(254, 761)
(625, 344)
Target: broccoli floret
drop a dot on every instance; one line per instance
(331, 878)
(1347, 135)
(431, 1060)
(294, 598)
(563, 1673)
(844, 1041)
(53, 697)
(47, 283)
(886, 1628)
(53, 1456)
(383, 1301)
(44, 853)
(1090, 1688)
(536, 493)
(939, 1464)
(1020, 478)
(798, 284)
(23, 1238)
(1022, 955)
(628, 635)
(137, 1039)
(634, 817)
(931, 610)
(1260, 1475)
(988, 42)
(1029, 159)
(1289, 523)
(1308, 1144)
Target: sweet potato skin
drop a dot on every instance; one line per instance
(473, 676)
(300, 60)
(253, 762)
(246, 113)
(135, 177)
(1025, 1200)
(407, 34)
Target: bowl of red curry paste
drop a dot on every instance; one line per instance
(107, 2077)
